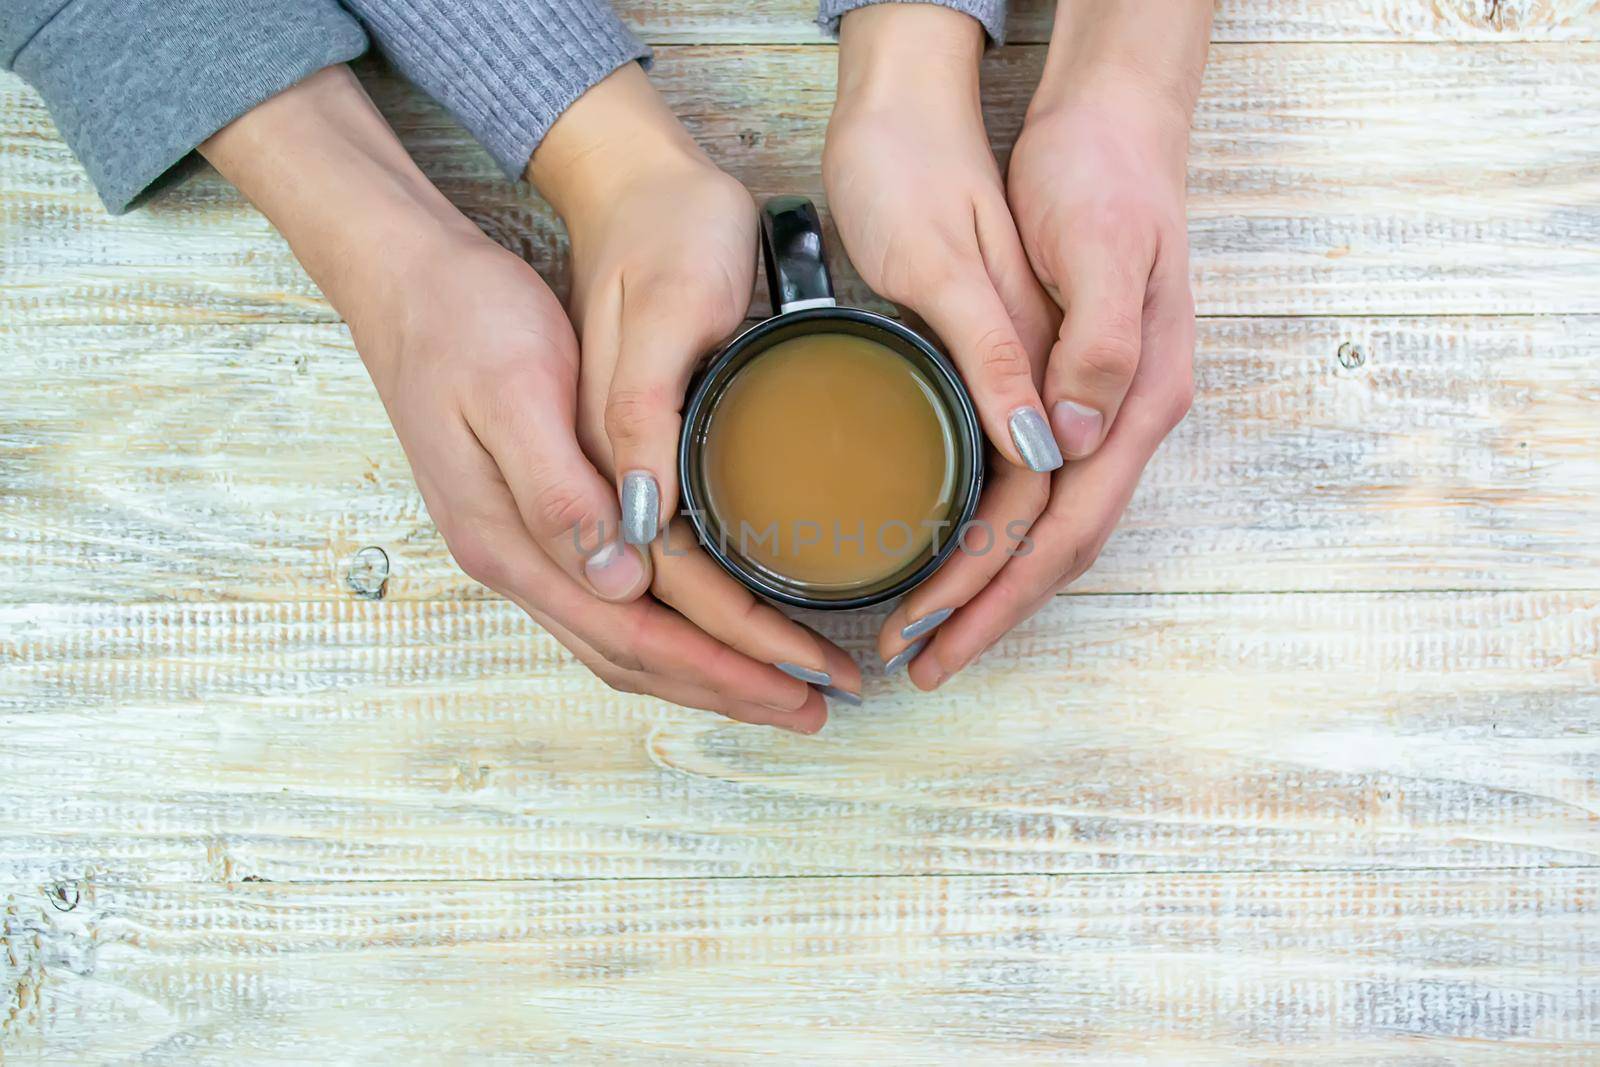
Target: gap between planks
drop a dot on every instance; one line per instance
(820, 876)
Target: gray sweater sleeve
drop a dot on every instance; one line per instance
(506, 69)
(135, 85)
(992, 13)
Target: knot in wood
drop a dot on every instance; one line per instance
(368, 573)
(64, 896)
(1351, 356)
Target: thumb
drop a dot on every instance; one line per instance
(662, 340)
(1094, 360)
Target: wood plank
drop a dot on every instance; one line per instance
(1475, 967)
(791, 21)
(253, 463)
(1327, 179)
(392, 740)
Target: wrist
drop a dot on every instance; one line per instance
(324, 167)
(1111, 43)
(618, 133)
(890, 52)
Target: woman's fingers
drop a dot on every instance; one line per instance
(690, 581)
(1012, 500)
(968, 314)
(486, 534)
(1013, 496)
(526, 426)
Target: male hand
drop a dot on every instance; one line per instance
(477, 366)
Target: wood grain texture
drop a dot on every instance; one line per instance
(1308, 772)
(1405, 967)
(1353, 179)
(391, 740)
(791, 21)
(252, 463)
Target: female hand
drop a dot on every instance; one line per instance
(663, 253)
(917, 196)
(1096, 188)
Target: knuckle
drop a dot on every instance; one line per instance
(621, 681)
(560, 508)
(1001, 355)
(478, 559)
(1111, 357)
(505, 393)
(630, 413)
(945, 265)
(666, 583)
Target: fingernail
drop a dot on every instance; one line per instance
(614, 571)
(833, 692)
(805, 674)
(1077, 426)
(906, 655)
(926, 623)
(641, 508)
(1034, 440)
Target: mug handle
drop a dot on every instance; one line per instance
(791, 248)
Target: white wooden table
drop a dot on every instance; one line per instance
(1305, 770)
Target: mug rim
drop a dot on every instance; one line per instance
(964, 416)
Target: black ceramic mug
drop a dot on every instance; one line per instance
(803, 304)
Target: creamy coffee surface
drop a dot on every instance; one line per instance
(829, 460)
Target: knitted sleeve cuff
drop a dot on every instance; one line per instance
(134, 86)
(505, 70)
(991, 13)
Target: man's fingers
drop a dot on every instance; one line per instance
(808, 718)
(1102, 290)
(641, 635)
(665, 331)
(564, 503)
(488, 537)
(1086, 501)
(690, 581)
(969, 316)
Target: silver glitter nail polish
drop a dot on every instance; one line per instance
(1032, 436)
(641, 508)
(904, 656)
(805, 674)
(926, 624)
(833, 692)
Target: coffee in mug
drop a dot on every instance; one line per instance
(830, 456)
(832, 459)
